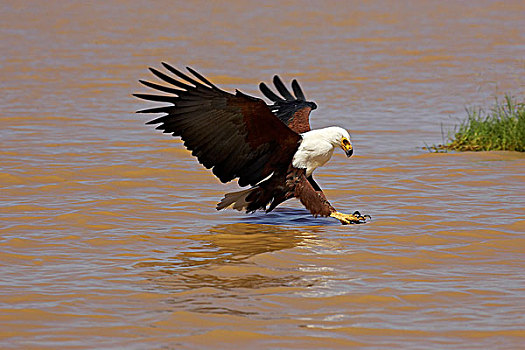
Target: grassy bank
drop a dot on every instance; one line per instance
(502, 128)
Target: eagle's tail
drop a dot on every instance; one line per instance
(237, 200)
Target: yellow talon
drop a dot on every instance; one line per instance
(346, 219)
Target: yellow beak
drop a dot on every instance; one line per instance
(347, 146)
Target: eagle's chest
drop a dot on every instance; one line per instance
(311, 158)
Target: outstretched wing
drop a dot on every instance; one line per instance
(236, 135)
(294, 111)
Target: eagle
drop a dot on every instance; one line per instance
(269, 148)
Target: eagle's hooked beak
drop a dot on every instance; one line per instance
(347, 146)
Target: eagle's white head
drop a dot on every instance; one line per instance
(317, 147)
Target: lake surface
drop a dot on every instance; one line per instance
(109, 234)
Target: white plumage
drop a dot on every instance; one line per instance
(317, 147)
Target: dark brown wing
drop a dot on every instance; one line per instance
(294, 111)
(236, 135)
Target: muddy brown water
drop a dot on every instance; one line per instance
(109, 236)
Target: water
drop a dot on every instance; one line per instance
(110, 238)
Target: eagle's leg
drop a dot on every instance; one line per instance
(355, 218)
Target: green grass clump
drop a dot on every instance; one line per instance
(500, 129)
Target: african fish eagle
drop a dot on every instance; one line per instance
(269, 147)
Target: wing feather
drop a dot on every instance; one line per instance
(282, 88)
(199, 76)
(293, 111)
(180, 74)
(156, 98)
(269, 93)
(169, 79)
(165, 109)
(160, 87)
(298, 91)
